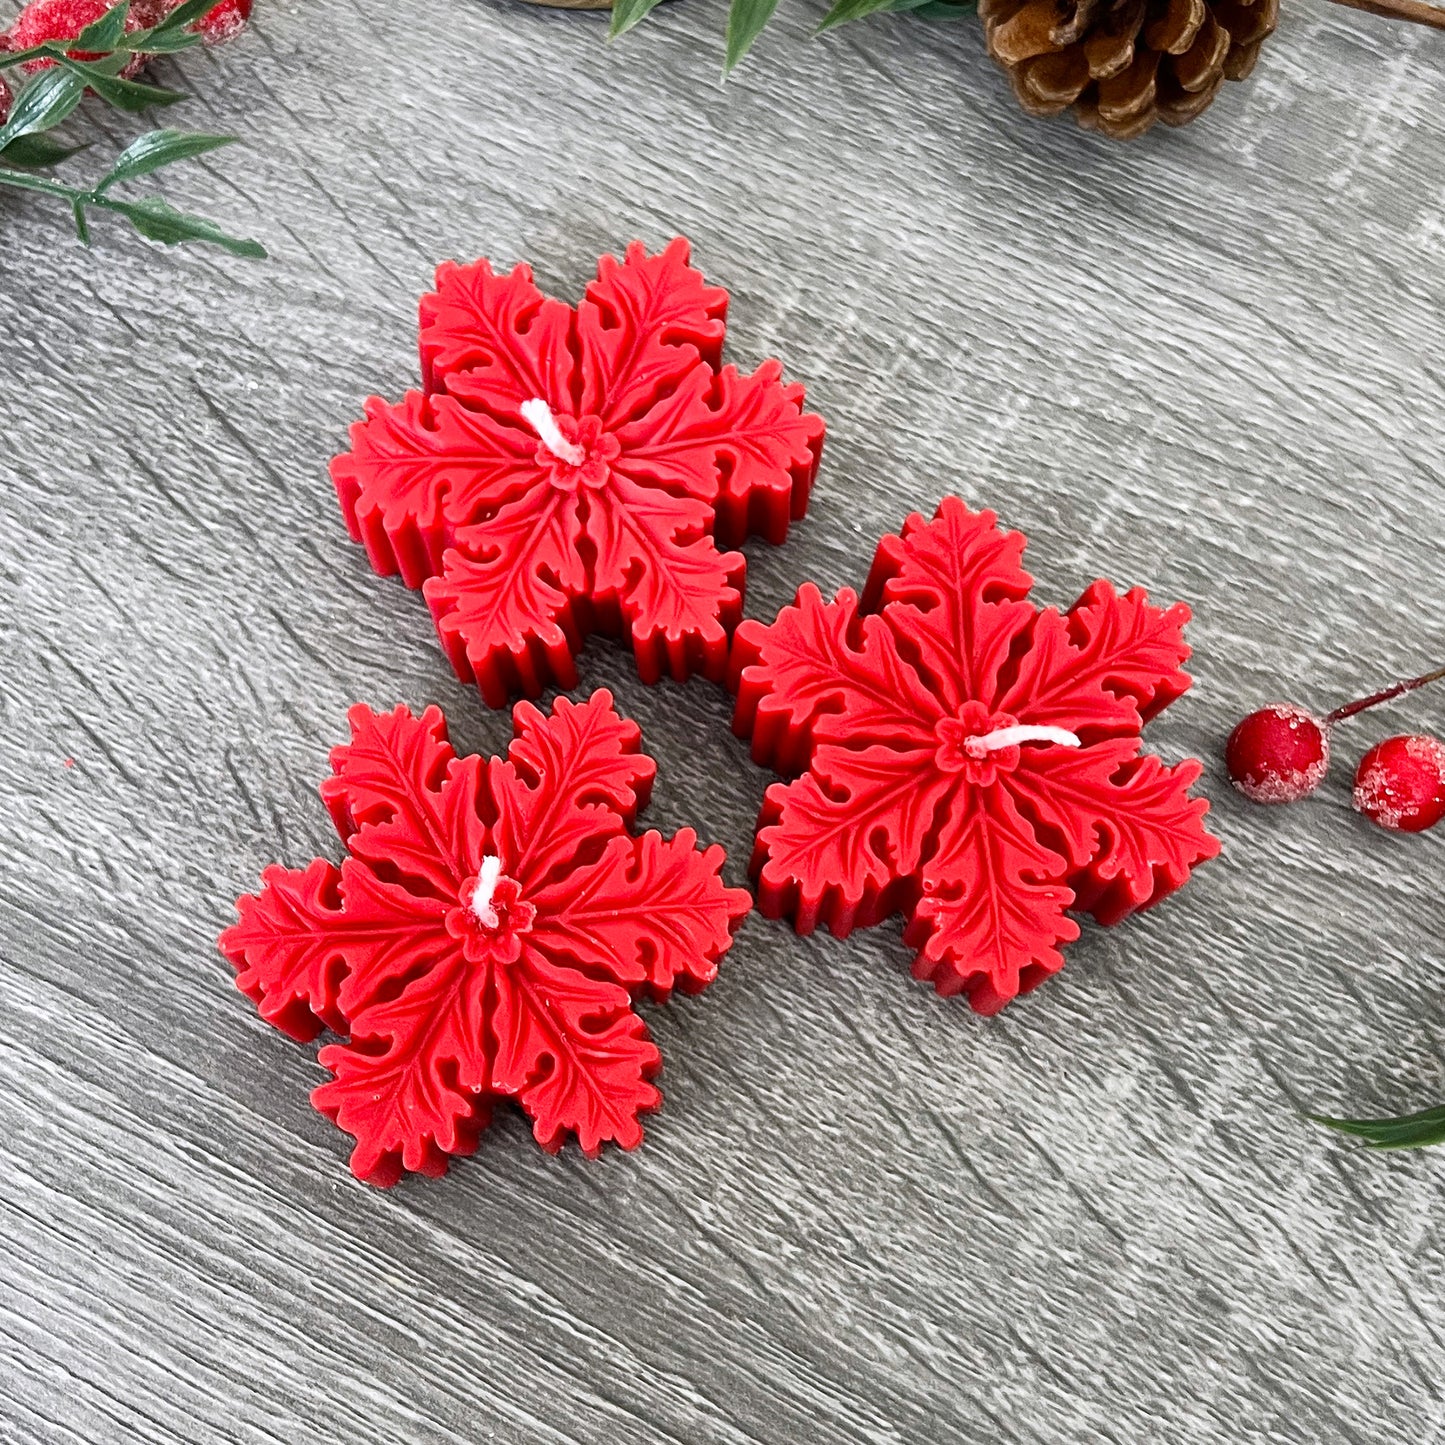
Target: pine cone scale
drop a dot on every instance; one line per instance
(1174, 31)
(1109, 51)
(1130, 93)
(1025, 34)
(1122, 65)
(1205, 58)
(1058, 79)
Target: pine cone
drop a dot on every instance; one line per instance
(1123, 64)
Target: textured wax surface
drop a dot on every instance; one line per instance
(1209, 364)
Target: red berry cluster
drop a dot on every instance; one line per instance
(46, 20)
(1281, 754)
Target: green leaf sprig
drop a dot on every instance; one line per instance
(1406, 1131)
(748, 18)
(53, 94)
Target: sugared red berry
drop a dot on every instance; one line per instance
(149, 13)
(43, 20)
(4, 102)
(225, 22)
(1400, 784)
(1279, 754)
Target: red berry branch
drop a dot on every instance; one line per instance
(70, 49)
(1281, 754)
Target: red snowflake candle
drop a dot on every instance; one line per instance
(966, 757)
(486, 937)
(570, 470)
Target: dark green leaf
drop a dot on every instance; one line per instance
(746, 19)
(159, 148)
(626, 14)
(157, 220)
(82, 226)
(174, 32)
(35, 151)
(942, 9)
(184, 16)
(111, 64)
(1407, 1131)
(44, 103)
(845, 10)
(10, 58)
(132, 95)
(105, 33)
(157, 42)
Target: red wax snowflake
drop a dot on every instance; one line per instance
(486, 936)
(571, 470)
(966, 757)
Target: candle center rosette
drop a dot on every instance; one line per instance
(979, 744)
(575, 453)
(487, 935)
(571, 470)
(491, 917)
(966, 758)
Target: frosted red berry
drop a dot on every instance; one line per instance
(225, 22)
(1279, 754)
(1400, 783)
(44, 20)
(4, 99)
(149, 13)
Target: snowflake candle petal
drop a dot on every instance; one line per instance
(486, 936)
(966, 757)
(569, 470)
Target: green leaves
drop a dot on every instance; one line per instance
(108, 41)
(153, 216)
(159, 148)
(107, 32)
(174, 32)
(131, 95)
(746, 19)
(54, 93)
(36, 152)
(1408, 1131)
(157, 220)
(845, 10)
(627, 13)
(937, 9)
(44, 103)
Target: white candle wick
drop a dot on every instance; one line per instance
(538, 415)
(976, 747)
(491, 871)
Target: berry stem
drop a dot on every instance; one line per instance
(1415, 11)
(1396, 689)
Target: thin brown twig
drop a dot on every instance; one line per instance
(1396, 689)
(1415, 11)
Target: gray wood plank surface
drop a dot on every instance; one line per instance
(1210, 363)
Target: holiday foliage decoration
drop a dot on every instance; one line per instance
(566, 470)
(966, 758)
(1118, 65)
(486, 937)
(1280, 753)
(1122, 65)
(69, 49)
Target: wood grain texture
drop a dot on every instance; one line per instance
(1210, 362)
